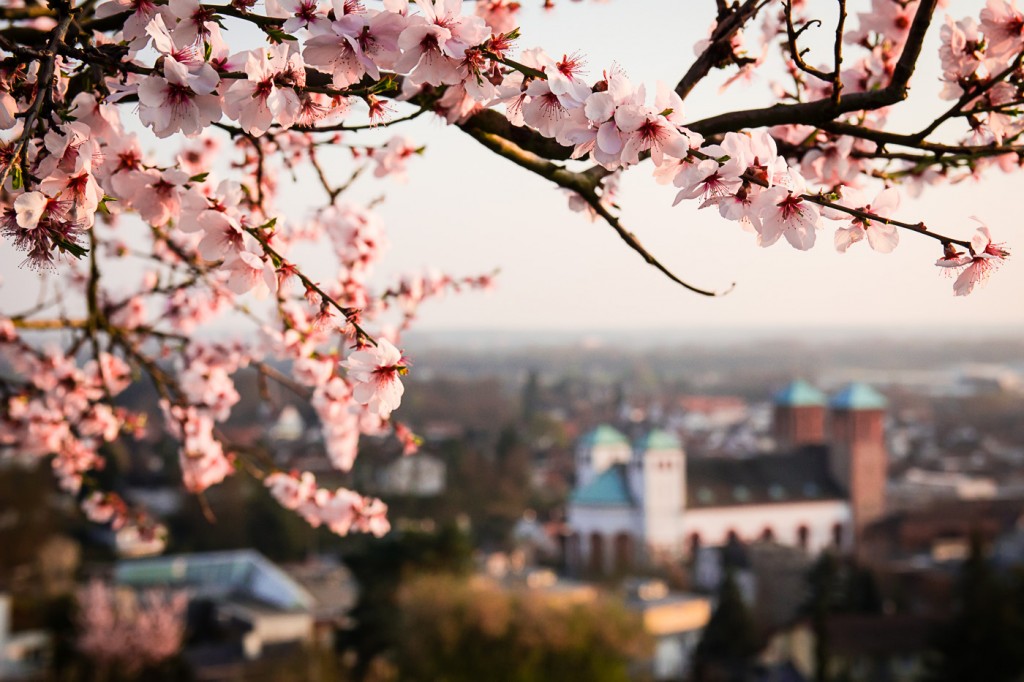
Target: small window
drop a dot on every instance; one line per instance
(803, 536)
(741, 493)
(837, 534)
(705, 496)
(811, 489)
(777, 492)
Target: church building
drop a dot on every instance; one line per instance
(647, 503)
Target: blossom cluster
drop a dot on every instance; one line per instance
(215, 244)
(340, 510)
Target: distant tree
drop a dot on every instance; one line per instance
(531, 396)
(727, 649)
(379, 567)
(26, 493)
(836, 585)
(982, 640)
(467, 631)
(239, 514)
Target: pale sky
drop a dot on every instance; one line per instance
(466, 211)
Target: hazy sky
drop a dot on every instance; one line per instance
(466, 211)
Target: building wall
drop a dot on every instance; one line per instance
(590, 461)
(420, 474)
(713, 526)
(749, 522)
(793, 426)
(664, 497)
(608, 522)
(860, 461)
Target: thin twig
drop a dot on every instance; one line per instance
(585, 187)
(837, 55)
(44, 88)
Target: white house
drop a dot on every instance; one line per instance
(646, 502)
(421, 475)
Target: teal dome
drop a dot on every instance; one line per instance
(658, 440)
(603, 435)
(857, 396)
(800, 394)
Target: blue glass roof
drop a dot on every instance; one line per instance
(212, 574)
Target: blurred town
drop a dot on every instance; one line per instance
(778, 511)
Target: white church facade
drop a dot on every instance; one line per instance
(647, 503)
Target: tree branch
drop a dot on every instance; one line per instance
(720, 48)
(822, 111)
(44, 88)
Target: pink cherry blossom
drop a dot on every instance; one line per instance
(375, 372)
(134, 27)
(986, 258)
(179, 101)
(356, 44)
(783, 212)
(434, 42)
(881, 236)
(267, 96)
(1003, 25)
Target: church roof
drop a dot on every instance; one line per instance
(799, 394)
(801, 476)
(857, 396)
(609, 489)
(658, 439)
(603, 435)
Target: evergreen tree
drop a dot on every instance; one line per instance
(727, 649)
(982, 640)
(836, 585)
(531, 397)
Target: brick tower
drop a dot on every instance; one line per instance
(798, 416)
(858, 456)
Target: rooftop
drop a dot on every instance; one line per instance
(858, 396)
(218, 575)
(609, 489)
(658, 440)
(800, 476)
(799, 394)
(603, 435)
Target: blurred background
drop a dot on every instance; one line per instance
(759, 507)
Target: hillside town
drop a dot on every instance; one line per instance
(839, 523)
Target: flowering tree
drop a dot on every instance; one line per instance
(211, 235)
(127, 631)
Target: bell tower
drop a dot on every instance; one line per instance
(858, 456)
(798, 416)
(661, 479)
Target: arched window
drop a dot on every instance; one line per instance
(623, 548)
(803, 536)
(837, 535)
(597, 554)
(768, 535)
